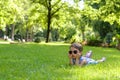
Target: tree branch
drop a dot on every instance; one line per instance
(56, 3)
(57, 10)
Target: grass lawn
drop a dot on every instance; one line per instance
(50, 62)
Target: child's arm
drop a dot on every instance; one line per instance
(78, 59)
(82, 63)
(70, 59)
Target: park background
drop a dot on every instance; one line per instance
(35, 36)
(94, 22)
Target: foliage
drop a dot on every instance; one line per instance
(118, 39)
(55, 35)
(67, 32)
(51, 9)
(32, 16)
(11, 11)
(50, 61)
(113, 44)
(118, 36)
(103, 16)
(37, 39)
(107, 10)
(94, 41)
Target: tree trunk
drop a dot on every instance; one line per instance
(49, 22)
(83, 36)
(12, 31)
(48, 31)
(27, 34)
(32, 35)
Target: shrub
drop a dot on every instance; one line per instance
(37, 39)
(118, 39)
(94, 42)
(113, 44)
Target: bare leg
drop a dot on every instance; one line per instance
(101, 60)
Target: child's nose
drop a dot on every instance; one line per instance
(73, 54)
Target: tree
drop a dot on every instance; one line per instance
(11, 13)
(52, 7)
(105, 10)
(101, 10)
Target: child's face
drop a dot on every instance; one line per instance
(73, 52)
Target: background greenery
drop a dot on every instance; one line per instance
(50, 62)
(96, 23)
(61, 20)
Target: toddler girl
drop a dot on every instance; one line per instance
(76, 58)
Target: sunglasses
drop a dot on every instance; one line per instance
(75, 52)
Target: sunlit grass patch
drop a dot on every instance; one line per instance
(50, 62)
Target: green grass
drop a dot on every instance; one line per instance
(50, 62)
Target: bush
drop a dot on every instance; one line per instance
(113, 44)
(118, 46)
(37, 39)
(94, 42)
(118, 39)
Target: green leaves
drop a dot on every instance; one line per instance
(110, 11)
(12, 11)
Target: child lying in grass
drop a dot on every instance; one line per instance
(76, 58)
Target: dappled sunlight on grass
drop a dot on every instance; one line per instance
(55, 43)
(47, 62)
(109, 49)
(116, 56)
(91, 72)
(49, 43)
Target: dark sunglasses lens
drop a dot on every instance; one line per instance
(75, 52)
(70, 52)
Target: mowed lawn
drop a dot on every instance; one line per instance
(50, 62)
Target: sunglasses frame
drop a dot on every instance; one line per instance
(74, 51)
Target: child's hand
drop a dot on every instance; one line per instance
(70, 56)
(70, 59)
(78, 55)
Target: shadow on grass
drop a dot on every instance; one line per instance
(49, 62)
